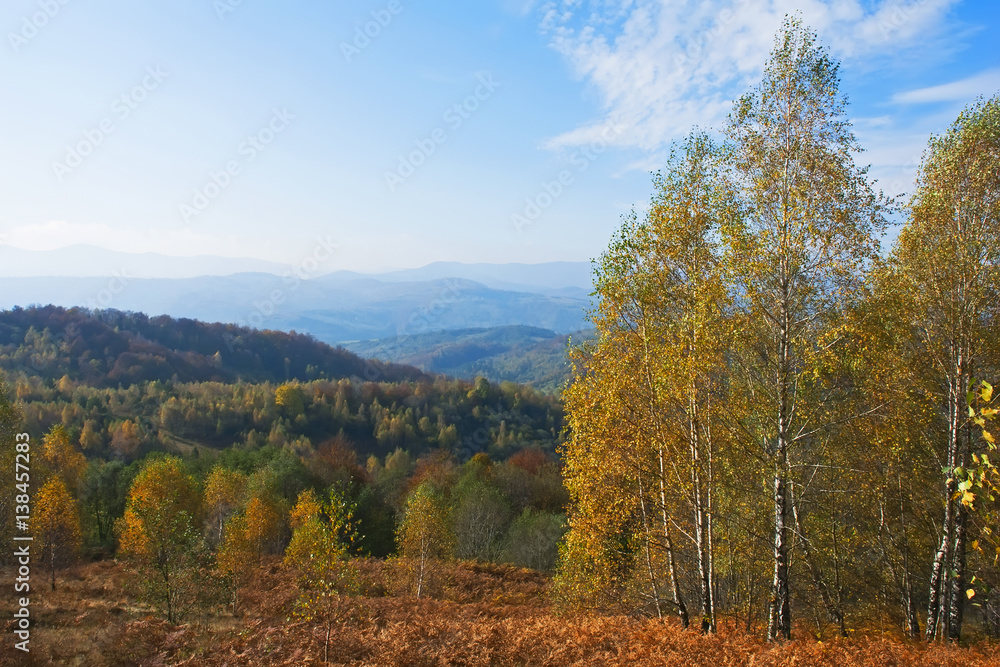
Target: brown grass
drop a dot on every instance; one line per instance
(488, 615)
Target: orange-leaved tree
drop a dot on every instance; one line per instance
(62, 458)
(56, 526)
(158, 536)
(640, 458)
(265, 522)
(237, 556)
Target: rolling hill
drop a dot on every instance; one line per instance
(111, 348)
(522, 354)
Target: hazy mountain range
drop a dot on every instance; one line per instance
(336, 307)
(502, 321)
(85, 261)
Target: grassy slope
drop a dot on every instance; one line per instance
(486, 615)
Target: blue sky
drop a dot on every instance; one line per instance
(493, 131)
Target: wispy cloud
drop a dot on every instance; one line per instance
(984, 83)
(661, 67)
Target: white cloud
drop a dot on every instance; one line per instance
(984, 83)
(663, 66)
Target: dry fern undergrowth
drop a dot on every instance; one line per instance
(487, 615)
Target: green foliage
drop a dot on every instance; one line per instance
(103, 497)
(533, 540)
(425, 539)
(376, 524)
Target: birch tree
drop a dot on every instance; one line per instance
(322, 532)
(947, 257)
(809, 229)
(158, 535)
(425, 538)
(642, 399)
(56, 525)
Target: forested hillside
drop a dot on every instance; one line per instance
(526, 355)
(117, 391)
(109, 348)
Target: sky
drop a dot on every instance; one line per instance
(400, 133)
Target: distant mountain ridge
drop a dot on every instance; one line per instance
(83, 261)
(86, 261)
(334, 308)
(562, 278)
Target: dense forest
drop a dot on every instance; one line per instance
(155, 404)
(115, 394)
